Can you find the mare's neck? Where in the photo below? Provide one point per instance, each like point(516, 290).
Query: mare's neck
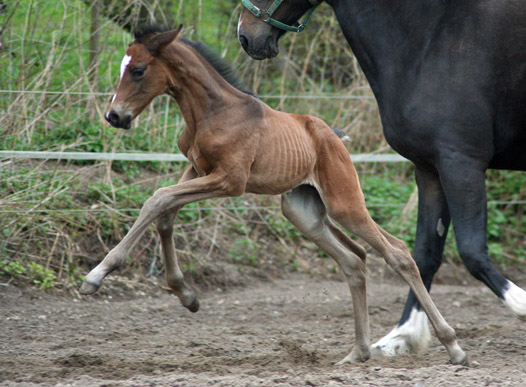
point(388, 37)
point(199, 90)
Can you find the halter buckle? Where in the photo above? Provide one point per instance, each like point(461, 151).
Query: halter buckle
point(265, 16)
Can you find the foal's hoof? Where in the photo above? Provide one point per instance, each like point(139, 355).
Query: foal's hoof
point(187, 297)
point(460, 359)
point(356, 356)
point(194, 306)
point(88, 287)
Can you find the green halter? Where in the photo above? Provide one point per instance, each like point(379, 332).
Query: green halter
point(266, 16)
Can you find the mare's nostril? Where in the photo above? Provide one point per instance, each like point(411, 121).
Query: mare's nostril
point(243, 41)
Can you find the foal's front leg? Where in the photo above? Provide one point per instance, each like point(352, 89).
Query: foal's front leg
point(165, 200)
point(174, 275)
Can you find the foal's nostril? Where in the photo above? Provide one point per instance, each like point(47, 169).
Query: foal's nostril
point(243, 40)
point(112, 118)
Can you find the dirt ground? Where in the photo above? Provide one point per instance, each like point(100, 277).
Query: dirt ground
point(285, 332)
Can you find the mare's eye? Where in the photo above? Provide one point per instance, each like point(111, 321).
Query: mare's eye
point(138, 73)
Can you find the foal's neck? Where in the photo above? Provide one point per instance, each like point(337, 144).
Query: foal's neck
point(200, 91)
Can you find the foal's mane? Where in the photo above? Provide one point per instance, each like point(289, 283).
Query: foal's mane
point(142, 34)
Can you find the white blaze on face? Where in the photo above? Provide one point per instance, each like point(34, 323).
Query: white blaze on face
point(124, 63)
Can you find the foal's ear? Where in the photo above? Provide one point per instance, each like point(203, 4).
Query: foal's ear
point(156, 45)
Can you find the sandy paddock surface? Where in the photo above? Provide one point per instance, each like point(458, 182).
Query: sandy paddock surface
point(285, 332)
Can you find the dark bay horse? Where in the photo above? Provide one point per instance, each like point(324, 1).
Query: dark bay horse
point(449, 77)
point(236, 144)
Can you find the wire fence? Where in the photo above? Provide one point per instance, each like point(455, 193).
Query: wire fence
point(357, 158)
point(166, 157)
point(388, 158)
point(263, 96)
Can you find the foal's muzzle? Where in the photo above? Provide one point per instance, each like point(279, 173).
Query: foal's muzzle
point(118, 121)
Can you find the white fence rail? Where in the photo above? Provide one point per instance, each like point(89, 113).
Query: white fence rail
point(364, 157)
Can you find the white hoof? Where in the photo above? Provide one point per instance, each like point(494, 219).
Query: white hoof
point(413, 336)
point(515, 300)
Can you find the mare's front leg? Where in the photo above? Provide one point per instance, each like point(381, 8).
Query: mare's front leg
point(165, 200)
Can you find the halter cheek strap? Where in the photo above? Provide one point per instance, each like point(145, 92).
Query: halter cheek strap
point(266, 15)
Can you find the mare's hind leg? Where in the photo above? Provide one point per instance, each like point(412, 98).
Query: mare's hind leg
point(174, 275)
point(304, 208)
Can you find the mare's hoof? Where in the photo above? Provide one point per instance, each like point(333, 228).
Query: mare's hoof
point(88, 287)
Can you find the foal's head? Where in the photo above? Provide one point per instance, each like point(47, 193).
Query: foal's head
point(143, 77)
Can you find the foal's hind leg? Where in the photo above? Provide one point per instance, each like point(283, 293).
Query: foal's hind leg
point(397, 256)
point(304, 208)
point(413, 332)
point(345, 203)
point(174, 275)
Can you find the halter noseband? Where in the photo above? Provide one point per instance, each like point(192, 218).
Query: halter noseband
point(266, 15)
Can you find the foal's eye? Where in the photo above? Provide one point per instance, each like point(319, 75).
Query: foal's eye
point(138, 73)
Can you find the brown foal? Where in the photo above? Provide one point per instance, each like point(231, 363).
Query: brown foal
point(235, 144)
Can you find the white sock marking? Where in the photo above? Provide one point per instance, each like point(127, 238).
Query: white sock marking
point(412, 336)
point(515, 299)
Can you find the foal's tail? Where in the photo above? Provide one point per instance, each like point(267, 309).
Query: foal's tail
point(341, 134)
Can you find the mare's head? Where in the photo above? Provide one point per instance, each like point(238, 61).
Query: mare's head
point(143, 76)
point(263, 22)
